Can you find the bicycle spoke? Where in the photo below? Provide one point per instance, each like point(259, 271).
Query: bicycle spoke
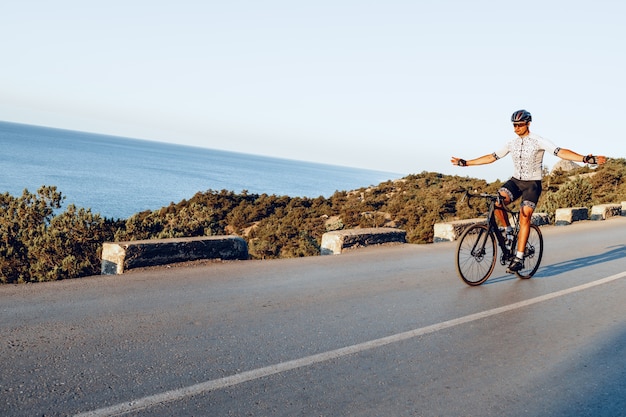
point(476, 255)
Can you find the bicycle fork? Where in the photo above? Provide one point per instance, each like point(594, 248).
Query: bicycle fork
point(478, 250)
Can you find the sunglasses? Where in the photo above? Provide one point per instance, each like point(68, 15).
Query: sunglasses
point(519, 124)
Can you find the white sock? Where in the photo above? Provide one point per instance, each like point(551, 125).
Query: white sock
point(520, 254)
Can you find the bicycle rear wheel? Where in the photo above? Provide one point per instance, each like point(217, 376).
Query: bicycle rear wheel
point(532, 253)
point(476, 254)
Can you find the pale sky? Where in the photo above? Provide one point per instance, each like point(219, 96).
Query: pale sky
point(391, 85)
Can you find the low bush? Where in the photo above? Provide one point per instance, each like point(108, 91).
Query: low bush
point(39, 242)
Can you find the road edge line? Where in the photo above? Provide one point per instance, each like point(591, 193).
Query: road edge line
point(220, 383)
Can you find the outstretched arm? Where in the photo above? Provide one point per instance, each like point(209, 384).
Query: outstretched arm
point(576, 157)
point(485, 159)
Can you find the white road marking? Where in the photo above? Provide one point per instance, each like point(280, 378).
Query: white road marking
point(240, 378)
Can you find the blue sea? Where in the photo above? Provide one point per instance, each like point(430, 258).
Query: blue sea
point(118, 177)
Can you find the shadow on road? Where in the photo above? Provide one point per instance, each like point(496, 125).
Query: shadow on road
point(555, 269)
point(615, 252)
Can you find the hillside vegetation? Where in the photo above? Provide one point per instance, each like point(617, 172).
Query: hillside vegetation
point(39, 242)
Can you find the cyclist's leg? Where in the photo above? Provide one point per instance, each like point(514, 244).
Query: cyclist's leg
point(530, 195)
point(525, 216)
point(503, 219)
point(530, 191)
point(509, 192)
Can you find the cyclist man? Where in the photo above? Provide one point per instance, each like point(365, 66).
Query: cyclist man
point(527, 151)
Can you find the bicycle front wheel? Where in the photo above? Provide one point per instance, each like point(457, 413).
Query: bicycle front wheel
point(476, 254)
point(532, 253)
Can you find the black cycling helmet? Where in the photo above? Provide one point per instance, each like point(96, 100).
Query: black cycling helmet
point(521, 116)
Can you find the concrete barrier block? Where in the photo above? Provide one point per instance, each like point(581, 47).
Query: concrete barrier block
point(337, 241)
point(540, 219)
point(604, 211)
point(566, 216)
point(120, 256)
point(450, 231)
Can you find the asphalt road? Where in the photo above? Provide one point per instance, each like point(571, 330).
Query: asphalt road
point(386, 331)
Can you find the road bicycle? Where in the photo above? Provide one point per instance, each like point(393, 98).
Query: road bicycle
point(477, 254)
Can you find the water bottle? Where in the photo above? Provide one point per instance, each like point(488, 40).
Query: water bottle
point(509, 240)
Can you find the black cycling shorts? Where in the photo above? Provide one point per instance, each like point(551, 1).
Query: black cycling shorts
point(528, 190)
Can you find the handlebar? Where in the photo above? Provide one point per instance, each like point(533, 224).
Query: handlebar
point(469, 195)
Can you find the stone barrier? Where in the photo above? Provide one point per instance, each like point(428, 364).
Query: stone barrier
point(604, 211)
point(566, 216)
point(452, 230)
point(120, 256)
point(540, 219)
point(335, 242)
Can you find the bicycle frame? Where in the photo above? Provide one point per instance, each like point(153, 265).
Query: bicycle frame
point(500, 238)
point(496, 203)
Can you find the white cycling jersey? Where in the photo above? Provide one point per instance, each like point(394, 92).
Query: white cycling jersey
point(527, 153)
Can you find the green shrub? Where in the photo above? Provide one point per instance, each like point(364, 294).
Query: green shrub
point(38, 242)
point(575, 193)
point(40, 246)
